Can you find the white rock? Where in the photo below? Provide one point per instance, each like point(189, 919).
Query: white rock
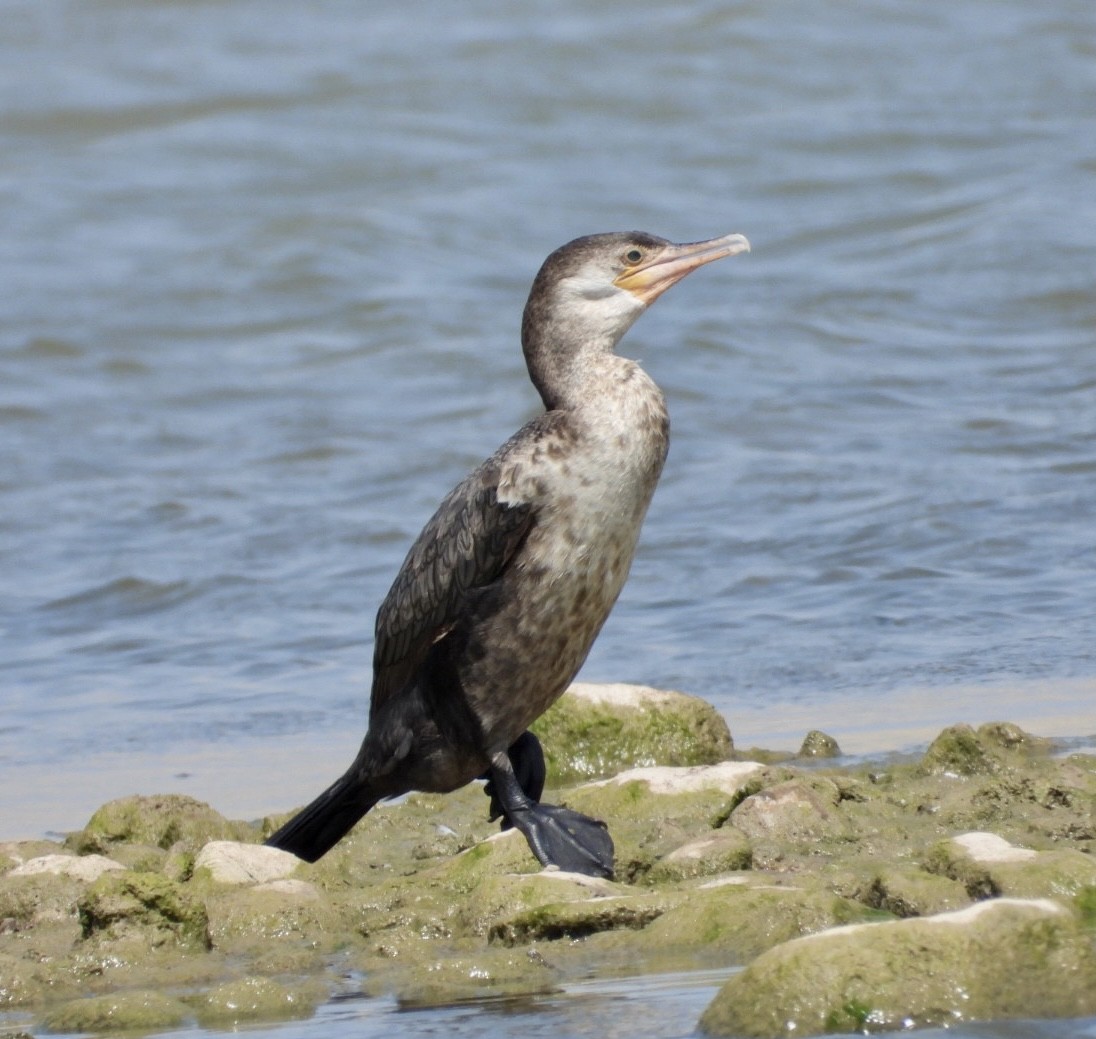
point(620, 694)
point(988, 847)
point(230, 862)
point(727, 776)
point(80, 867)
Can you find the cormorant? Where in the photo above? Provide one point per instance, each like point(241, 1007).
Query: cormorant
point(503, 593)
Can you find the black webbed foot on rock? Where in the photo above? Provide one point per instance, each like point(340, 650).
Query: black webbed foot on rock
point(557, 836)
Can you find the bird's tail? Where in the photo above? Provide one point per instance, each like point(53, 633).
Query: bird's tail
point(317, 828)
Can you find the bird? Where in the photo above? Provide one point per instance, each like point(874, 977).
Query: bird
point(504, 591)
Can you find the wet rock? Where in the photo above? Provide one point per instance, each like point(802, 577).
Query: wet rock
point(122, 1012)
point(494, 972)
point(987, 866)
point(722, 851)
point(908, 891)
point(596, 730)
point(741, 917)
point(998, 959)
point(252, 999)
point(958, 751)
point(80, 867)
point(793, 812)
point(230, 862)
point(161, 821)
point(652, 811)
point(996, 746)
point(244, 921)
point(817, 744)
point(147, 907)
point(573, 920)
point(506, 896)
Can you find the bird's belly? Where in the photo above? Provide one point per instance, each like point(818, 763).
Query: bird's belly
point(557, 598)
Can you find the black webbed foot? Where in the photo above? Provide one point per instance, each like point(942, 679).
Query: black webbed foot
point(557, 836)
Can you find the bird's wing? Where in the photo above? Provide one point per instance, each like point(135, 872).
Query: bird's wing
point(466, 545)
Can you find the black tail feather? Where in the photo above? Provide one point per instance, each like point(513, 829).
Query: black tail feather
point(317, 828)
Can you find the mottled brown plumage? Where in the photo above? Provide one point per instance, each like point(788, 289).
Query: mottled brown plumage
point(503, 593)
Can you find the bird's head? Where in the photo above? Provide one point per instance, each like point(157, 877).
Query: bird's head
point(588, 293)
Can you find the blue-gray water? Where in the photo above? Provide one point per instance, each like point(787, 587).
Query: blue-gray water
point(261, 272)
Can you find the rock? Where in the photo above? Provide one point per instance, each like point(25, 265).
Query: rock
point(987, 866)
point(80, 867)
point(596, 730)
point(147, 907)
point(118, 1013)
point(817, 744)
point(961, 751)
point(729, 777)
point(741, 920)
point(998, 959)
point(246, 920)
point(958, 751)
point(908, 891)
point(723, 850)
point(792, 812)
point(252, 999)
point(574, 920)
point(161, 821)
point(229, 862)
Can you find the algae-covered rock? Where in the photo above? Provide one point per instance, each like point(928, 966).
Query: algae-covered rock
point(596, 730)
point(998, 959)
point(909, 891)
point(652, 811)
point(987, 866)
point(817, 744)
point(740, 917)
point(162, 821)
point(721, 851)
point(961, 751)
point(249, 920)
point(803, 809)
point(505, 896)
point(136, 1012)
point(571, 920)
point(494, 972)
point(252, 999)
point(146, 906)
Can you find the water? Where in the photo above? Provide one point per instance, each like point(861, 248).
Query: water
point(260, 282)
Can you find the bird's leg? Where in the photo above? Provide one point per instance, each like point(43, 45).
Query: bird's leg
point(557, 836)
point(527, 757)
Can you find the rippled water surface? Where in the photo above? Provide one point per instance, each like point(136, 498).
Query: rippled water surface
point(261, 275)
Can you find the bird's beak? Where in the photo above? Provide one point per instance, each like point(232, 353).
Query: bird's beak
point(669, 266)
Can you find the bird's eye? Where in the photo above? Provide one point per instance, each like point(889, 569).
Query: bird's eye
point(633, 255)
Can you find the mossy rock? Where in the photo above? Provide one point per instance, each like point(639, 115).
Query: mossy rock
point(721, 851)
point(909, 891)
point(147, 906)
point(136, 1012)
point(1000, 959)
point(252, 999)
point(245, 920)
point(598, 730)
point(744, 916)
point(162, 821)
point(574, 920)
point(492, 972)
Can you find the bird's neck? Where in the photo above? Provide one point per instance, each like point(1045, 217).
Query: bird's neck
point(571, 366)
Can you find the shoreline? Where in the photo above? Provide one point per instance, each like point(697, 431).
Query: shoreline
point(255, 778)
